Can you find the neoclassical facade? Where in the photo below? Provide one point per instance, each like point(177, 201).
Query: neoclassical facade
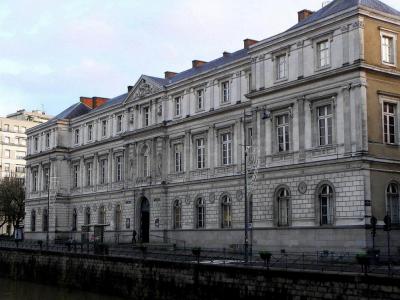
point(316, 108)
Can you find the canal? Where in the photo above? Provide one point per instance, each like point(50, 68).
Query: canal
point(21, 290)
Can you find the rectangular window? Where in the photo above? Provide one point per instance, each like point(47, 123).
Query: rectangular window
point(389, 123)
point(119, 123)
point(249, 83)
point(36, 143)
point(89, 168)
point(178, 149)
point(76, 136)
point(388, 49)
point(22, 141)
point(323, 54)
point(23, 129)
point(7, 154)
point(6, 127)
point(201, 149)
point(225, 92)
point(46, 178)
point(281, 67)
point(118, 167)
point(47, 140)
point(282, 132)
point(325, 117)
point(226, 149)
point(34, 180)
point(104, 128)
point(20, 169)
point(75, 176)
point(249, 136)
point(103, 171)
point(177, 104)
point(146, 116)
point(200, 99)
point(7, 167)
point(146, 171)
point(16, 128)
point(90, 132)
point(21, 155)
point(7, 140)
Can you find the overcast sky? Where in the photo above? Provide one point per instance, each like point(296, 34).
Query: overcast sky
point(54, 51)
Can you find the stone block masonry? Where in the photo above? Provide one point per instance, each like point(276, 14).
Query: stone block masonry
point(165, 280)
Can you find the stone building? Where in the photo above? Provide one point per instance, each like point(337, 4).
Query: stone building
point(318, 107)
point(13, 145)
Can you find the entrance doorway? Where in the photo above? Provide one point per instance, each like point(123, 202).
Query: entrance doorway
point(144, 220)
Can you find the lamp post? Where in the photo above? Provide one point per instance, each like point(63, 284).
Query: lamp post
point(246, 206)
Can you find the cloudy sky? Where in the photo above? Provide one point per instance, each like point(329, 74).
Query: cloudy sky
point(54, 51)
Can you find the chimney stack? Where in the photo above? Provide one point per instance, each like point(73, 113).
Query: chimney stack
point(130, 87)
point(169, 74)
point(93, 102)
point(304, 14)
point(226, 54)
point(248, 42)
point(197, 63)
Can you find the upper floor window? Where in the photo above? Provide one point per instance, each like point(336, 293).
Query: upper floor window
point(389, 122)
point(34, 180)
point(6, 127)
point(7, 153)
point(104, 128)
point(282, 132)
point(46, 178)
point(20, 169)
point(36, 143)
point(90, 132)
point(119, 123)
point(325, 117)
point(249, 83)
point(20, 155)
point(323, 54)
point(76, 136)
point(177, 213)
point(200, 99)
point(89, 173)
point(226, 212)
point(145, 164)
point(16, 128)
point(392, 202)
point(225, 91)
point(200, 153)
point(178, 155)
point(388, 45)
point(103, 171)
point(146, 116)
point(47, 138)
point(226, 148)
point(75, 176)
point(325, 197)
point(178, 106)
point(118, 163)
point(23, 129)
point(281, 67)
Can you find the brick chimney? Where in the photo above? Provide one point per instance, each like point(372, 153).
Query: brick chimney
point(93, 102)
point(197, 63)
point(248, 42)
point(130, 87)
point(304, 14)
point(226, 54)
point(169, 74)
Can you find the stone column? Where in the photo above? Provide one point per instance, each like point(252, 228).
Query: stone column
point(301, 118)
point(187, 151)
point(345, 43)
point(347, 119)
point(300, 59)
point(211, 147)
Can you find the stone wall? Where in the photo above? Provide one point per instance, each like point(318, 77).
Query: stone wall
point(152, 279)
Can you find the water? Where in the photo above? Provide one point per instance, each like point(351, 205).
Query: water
point(21, 290)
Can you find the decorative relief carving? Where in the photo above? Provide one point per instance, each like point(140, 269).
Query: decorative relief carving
point(109, 206)
point(302, 187)
point(211, 198)
point(145, 89)
point(187, 199)
point(239, 195)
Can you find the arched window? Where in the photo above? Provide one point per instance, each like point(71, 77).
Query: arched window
point(177, 212)
point(87, 216)
point(102, 215)
point(74, 219)
point(392, 202)
point(118, 217)
point(283, 198)
point(226, 212)
point(45, 223)
point(200, 213)
point(33, 220)
point(145, 161)
point(326, 211)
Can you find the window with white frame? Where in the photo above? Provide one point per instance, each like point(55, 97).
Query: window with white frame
point(75, 178)
point(177, 214)
point(323, 54)
point(76, 136)
point(20, 155)
point(47, 143)
point(7, 153)
point(226, 148)
point(119, 123)
point(389, 122)
point(118, 167)
point(90, 132)
point(200, 213)
point(104, 128)
point(325, 121)
point(178, 157)
point(177, 106)
point(282, 132)
point(146, 116)
point(388, 47)
point(23, 129)
point(280, 66)
point(89, 173)
point(200, 99)
point(392, 202)
point(20, 169)
point(7, 140)
point(200, 153)
point(225, 86)
point(103, 171)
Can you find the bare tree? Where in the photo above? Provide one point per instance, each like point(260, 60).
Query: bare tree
point(12, 197)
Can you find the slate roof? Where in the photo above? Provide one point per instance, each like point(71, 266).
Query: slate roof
point(73, 111)
point(341, 5)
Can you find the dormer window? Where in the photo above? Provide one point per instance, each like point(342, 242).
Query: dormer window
point(225, 92)
point(178, 106)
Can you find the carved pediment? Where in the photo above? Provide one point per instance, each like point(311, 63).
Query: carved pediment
point(144, 87)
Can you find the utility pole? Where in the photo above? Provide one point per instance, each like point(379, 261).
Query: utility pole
point(246, 207)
